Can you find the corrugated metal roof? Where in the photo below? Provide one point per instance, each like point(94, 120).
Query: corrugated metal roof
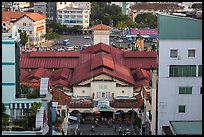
point(88, 63)
point(53, 54)
point(140, 54)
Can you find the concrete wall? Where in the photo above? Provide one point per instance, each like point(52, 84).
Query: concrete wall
point(36, 36)
point(99, 87)
point(8, 72)
point(168, 87)
point(101, 36)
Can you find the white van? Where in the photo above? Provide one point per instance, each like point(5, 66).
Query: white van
point(66, 42)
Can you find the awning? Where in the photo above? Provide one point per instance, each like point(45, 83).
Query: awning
point(153, 36)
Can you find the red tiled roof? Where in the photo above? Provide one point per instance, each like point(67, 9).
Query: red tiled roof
point(53, 54)
point(60, 97)
point(36, 16)
point(37, 62)
point(102, 60)
point(90, 62)
point(141, 74)
point(101, 27)
point(98, 48)
point(140, 54)
point(9, 15)
point(144, 63)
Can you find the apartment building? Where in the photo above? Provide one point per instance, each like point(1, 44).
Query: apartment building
point(50, 9)
point(17, 106)
point(71, 16)
point(180, 73)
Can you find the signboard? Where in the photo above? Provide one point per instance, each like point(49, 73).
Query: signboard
point(40, 28)
point(103, 102)
point(144, 31)
point(104, 108)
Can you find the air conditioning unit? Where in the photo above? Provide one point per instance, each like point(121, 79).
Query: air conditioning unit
point(179, 57)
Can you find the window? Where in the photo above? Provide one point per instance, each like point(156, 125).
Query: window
point(185, 90)
point(30, 24)
point(173, 53)
point(24, 24)
point(182, 71)
point(60, 2)
point(200, 70)
point(4, 24)
point(30, 32)
point(123, 91)
point(182, 109)
point(83, 91)
point(103, 94)
point(201, 90)
point(102, 86)
point(191, 53)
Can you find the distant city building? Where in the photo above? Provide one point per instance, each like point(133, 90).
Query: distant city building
point(125, 6)
point(40, 7)
point(50, 9)
point(70, 17)
point(33, 23)
point(180, 74)
point(144, 7)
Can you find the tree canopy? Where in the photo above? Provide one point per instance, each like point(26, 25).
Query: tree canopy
point(23, 37)
point(110, 15)
point(146, 20)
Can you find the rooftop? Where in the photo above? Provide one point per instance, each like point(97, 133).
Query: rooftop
point(176, 27)
point(155, 6)
point(10, 15)
point(186, 127)
point(92, 61)
point(101, 27)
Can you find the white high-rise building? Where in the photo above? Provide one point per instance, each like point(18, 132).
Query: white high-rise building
point(180, 73)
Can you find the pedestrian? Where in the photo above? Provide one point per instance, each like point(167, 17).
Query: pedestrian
point(120, 129)
point(115, 128)
point(92, 128)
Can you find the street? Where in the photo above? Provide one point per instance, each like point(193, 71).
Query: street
point(103, 129)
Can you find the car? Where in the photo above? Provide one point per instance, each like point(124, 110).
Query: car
point(60, 49)
point(87, 37)
point(70, 48)
point(127, 132)
point(66, 42)
point(119, 41)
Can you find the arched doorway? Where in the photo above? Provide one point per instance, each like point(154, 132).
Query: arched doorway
point(119, 115)
point(75, 112)
point(130, 116)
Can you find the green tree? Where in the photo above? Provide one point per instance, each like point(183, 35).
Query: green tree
point(108, 14)
point(33, 111)
point(5, 117)
point(153, 47)
point(146, 20)
point(121, 25)
point(51, 36)
point(23, 37)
